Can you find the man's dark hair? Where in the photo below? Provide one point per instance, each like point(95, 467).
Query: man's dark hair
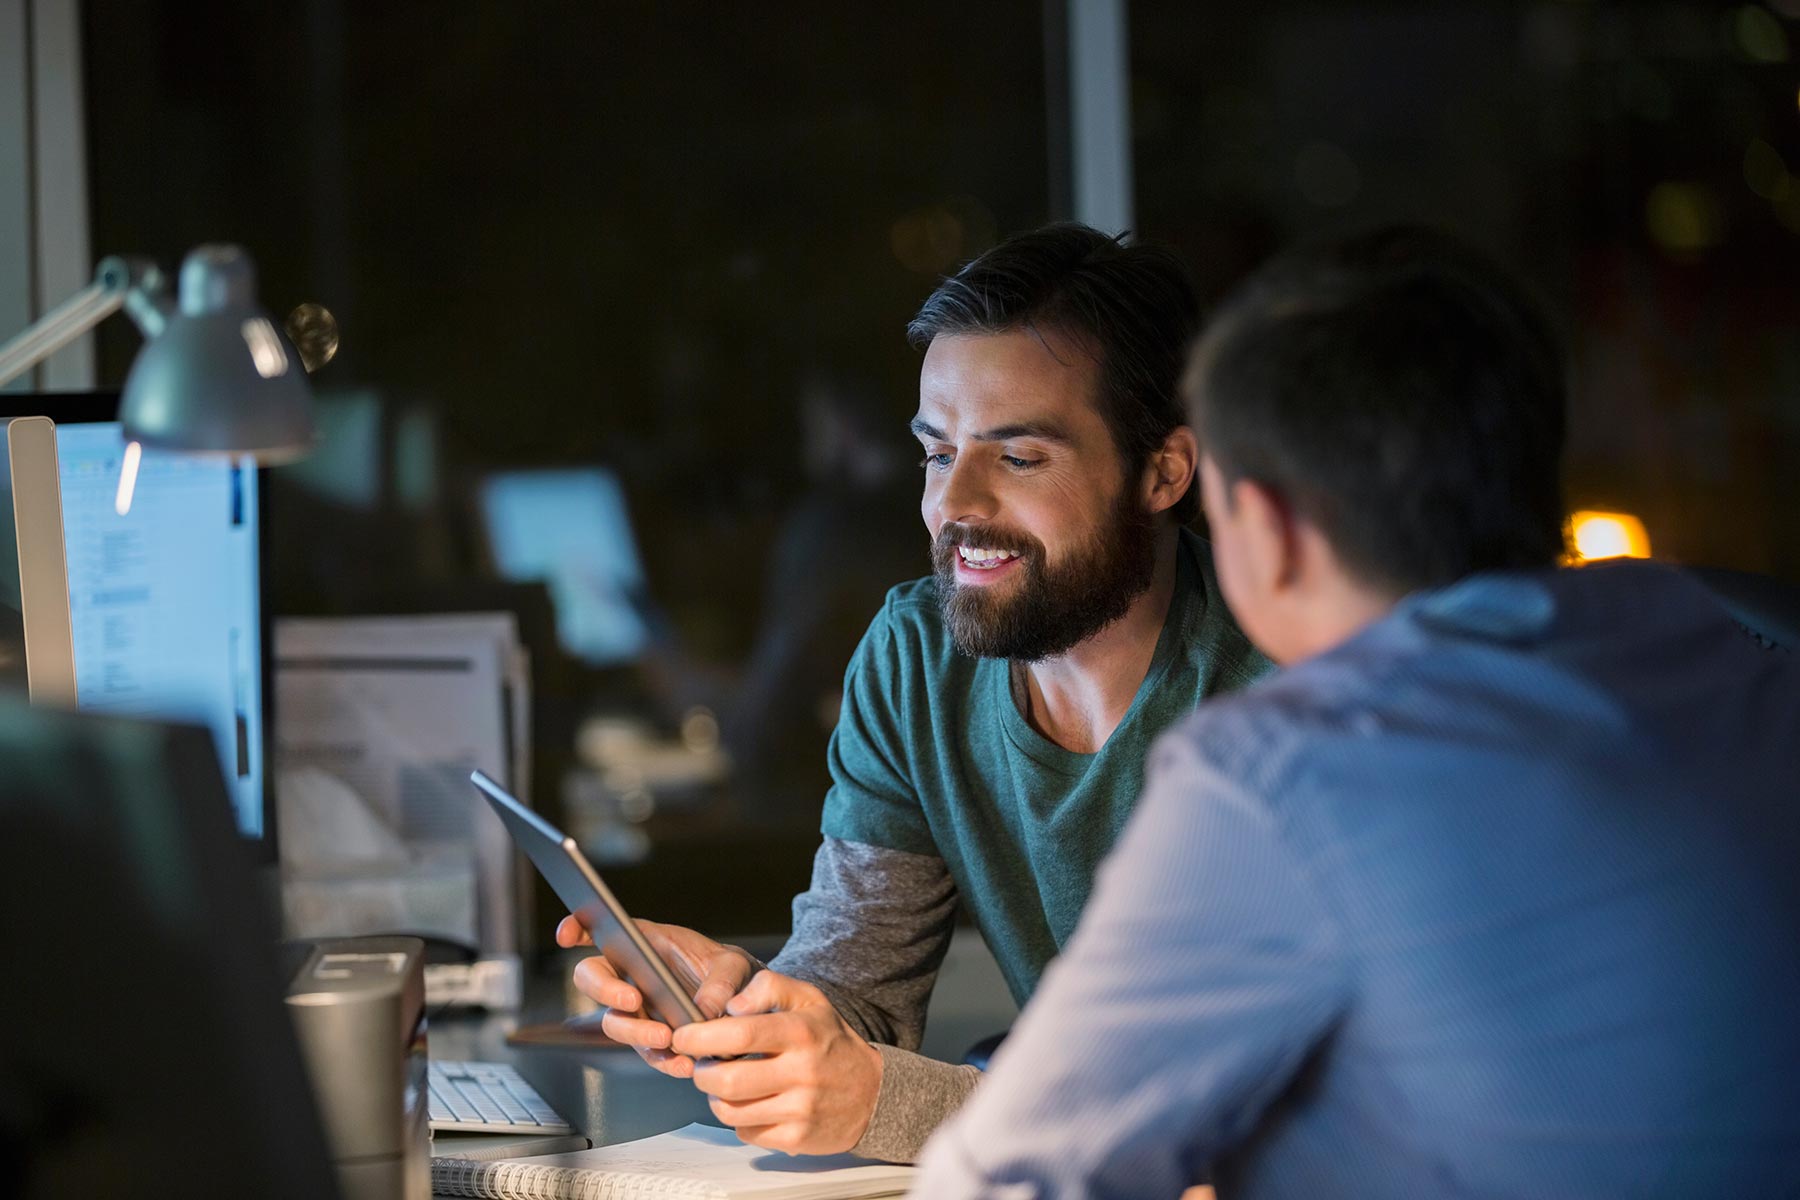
point(1402, 393)
point(1132, 307)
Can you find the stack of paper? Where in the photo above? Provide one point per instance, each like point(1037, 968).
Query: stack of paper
point(379, 721)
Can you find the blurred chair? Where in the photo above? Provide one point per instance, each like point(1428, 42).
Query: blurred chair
point(144, 1047)
point(982, 1053)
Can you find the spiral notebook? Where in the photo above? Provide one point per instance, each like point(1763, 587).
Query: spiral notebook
point(699, 1162)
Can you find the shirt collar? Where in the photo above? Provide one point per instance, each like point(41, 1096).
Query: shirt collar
point(1509, 606)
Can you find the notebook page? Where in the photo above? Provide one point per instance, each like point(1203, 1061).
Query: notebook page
point(699, 1161)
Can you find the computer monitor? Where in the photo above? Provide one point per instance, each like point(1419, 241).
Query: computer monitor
point(164, 597)
point(569, 529)
point(37, 656)
point(144, 1047)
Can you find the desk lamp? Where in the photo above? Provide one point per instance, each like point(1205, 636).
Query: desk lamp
point(214, 377)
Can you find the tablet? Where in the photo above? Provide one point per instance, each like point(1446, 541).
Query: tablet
point(580, 887)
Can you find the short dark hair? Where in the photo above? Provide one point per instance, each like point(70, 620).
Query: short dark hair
point(1401, 392)
point(1133, 307)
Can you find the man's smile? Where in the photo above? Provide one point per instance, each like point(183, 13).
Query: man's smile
point(977, 565)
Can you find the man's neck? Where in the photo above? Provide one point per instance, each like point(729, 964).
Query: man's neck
point(1335, 608)
point(1077, 699)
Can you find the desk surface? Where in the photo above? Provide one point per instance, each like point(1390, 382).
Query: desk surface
point(611, 1095)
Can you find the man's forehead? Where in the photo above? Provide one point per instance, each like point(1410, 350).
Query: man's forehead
point(1026, 348)
point(1006, 379)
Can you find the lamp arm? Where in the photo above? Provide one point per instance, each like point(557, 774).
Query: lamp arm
point(136, 285)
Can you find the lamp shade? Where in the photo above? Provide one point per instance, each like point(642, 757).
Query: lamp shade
point(220, 378)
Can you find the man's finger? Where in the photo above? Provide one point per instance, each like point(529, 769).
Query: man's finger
point(600, 983)
point(756, 1135)
point(730, 1037)
point(721, 984)
point(744, 1079)
point(769, 991)
point(784, 1136)
point(767, 1110)
point(628, 1030)
point(570, 933)
point(676, 1066)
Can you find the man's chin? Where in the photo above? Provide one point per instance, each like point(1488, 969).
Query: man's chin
point(984, 626)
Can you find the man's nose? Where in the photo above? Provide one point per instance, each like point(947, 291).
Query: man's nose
point(965, 495)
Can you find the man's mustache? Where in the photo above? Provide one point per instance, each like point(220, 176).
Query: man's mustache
point(984, 537)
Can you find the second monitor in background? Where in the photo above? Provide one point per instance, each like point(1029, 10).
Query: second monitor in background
point(570, 529)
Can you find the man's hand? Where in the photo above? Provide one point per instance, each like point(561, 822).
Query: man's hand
point(721, 971)
point(812, 1089)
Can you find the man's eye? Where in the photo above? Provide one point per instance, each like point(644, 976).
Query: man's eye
point(1017, 463)
point(938, 461)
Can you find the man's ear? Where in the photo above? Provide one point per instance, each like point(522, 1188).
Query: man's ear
point(1269, 533)
point(1170, 473)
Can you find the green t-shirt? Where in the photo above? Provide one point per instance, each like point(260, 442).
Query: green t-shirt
point(932, 756)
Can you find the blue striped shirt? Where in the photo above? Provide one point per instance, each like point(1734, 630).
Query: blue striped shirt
point(1498, 898)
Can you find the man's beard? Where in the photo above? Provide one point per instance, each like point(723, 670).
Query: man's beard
point(1052, 609)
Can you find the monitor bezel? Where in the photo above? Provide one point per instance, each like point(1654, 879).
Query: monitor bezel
point(102, 407)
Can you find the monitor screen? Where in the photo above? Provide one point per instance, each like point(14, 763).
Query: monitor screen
point(570, 530)
point(164, 597)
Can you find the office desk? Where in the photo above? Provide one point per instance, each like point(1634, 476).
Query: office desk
point(611, 1095)
point(614, 1096)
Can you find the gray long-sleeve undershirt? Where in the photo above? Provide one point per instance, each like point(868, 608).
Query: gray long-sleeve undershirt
point(871, 933)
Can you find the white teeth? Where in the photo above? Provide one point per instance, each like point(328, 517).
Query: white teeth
point(974, 554)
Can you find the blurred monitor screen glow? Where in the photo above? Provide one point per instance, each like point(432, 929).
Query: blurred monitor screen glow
point(570, 530)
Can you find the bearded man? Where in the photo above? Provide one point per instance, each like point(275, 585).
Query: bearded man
point(996, 715)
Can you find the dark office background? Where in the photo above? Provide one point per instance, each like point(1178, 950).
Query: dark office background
point(642, 234)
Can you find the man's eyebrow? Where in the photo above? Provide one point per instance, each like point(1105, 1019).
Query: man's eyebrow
point(1043, 430)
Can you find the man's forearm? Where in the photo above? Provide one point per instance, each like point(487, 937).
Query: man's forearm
point(917, 1095)
point(871, 933)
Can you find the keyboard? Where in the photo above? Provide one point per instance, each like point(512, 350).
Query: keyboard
point(479, 1097)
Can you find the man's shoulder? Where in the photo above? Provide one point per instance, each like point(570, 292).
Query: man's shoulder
point(1266, 741)
point(912, 621)
point(1247, 740)
point(913, 598)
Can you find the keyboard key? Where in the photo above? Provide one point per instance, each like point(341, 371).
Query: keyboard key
point(479, 1101)
point(448, 1097)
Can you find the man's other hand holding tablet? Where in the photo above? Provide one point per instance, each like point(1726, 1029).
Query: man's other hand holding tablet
point(779, 1063)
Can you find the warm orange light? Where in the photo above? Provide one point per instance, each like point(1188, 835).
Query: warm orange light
point(1600, 535)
